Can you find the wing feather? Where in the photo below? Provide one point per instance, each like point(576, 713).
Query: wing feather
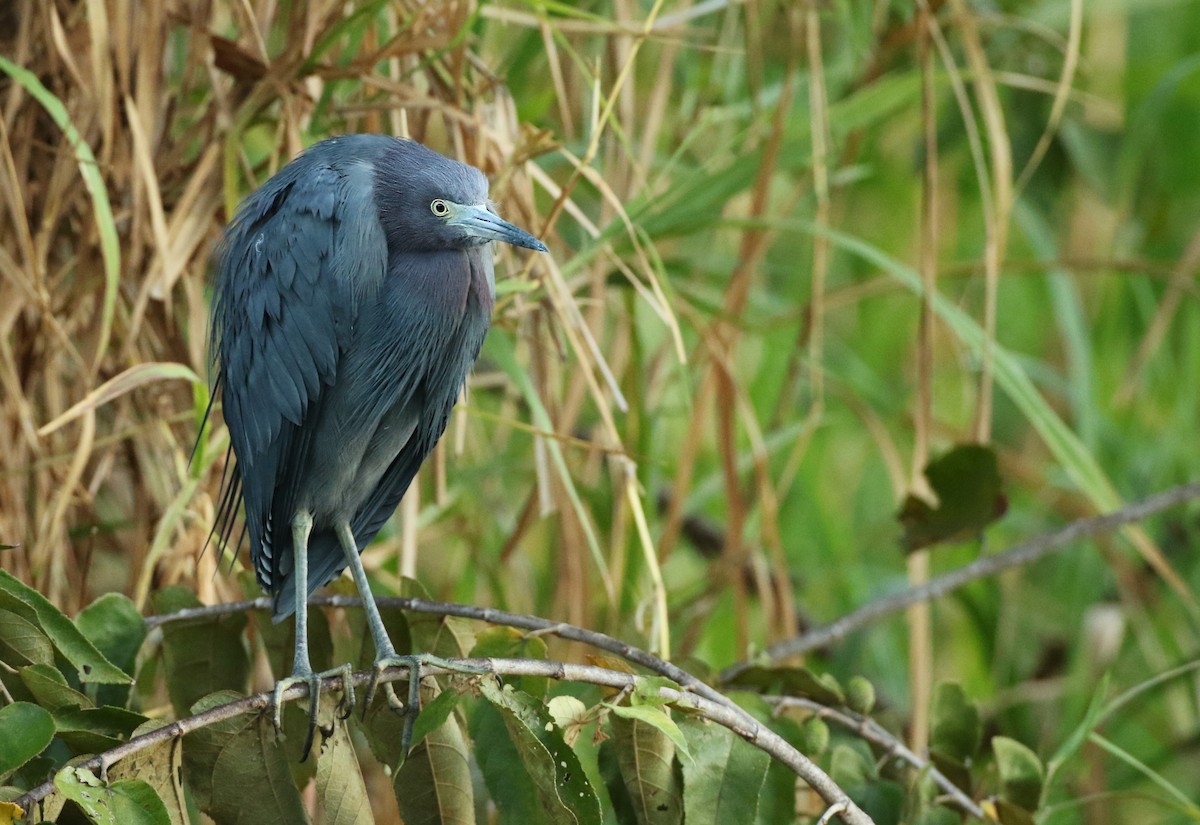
point(286, 297)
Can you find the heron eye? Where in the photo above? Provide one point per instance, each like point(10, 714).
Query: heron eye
point(440, 208)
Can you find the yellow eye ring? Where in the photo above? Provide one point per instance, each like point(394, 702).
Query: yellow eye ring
point(439, 207)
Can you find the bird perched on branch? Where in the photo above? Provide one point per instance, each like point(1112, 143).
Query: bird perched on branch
point(354, 291)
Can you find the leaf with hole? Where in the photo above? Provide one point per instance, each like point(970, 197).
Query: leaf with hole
point(563, 791)
point(125, 802)
point(646, 759)
point(723, 780)
point(32, 606)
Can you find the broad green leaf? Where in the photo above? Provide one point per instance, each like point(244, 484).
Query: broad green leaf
point(112, 623)
point(646, 759)
point(433, 786)
point(966, 481)
point(957, 731)
point(90, 730)
point(1021, 772)
point(21, 643)
point(161, 767)
point(655, 717)
point(341, 791)
point(384, 727)
point(723, 780)
point(125, 802)
point(51, 690)
point(434, 714)
point(792, 681)
point(26, 731)
point(237, 772)
point(562, 788)
point(200, 656)
point(73, 645)
point(508, 783)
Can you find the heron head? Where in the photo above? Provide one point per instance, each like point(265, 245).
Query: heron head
point(428, 202)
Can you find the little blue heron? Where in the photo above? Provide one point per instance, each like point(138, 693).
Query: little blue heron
point(355, 288)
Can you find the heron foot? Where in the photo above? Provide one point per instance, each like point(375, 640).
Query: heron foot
point(344, 708)
point(412, 707)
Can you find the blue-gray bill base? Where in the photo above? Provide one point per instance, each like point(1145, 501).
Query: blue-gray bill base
point(354, 290)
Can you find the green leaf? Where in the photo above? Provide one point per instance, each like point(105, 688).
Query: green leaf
point(160, 766)
point(723, 780)
point(113, 624)
point(21, 643)
point(1021, 772)
point(341, 791)
point(51, 690)
point(126, 802)
point(792, 681)
point(237, 772)
point(433, 786)
point(26, 731)
point(957, 731)
point(656, 717)
point(90, 730)
point(200, 656)
point(563, 790)
point(646, 758)
point(966, 481)
point(31, 605)
point(434, 714)
point(508, 783)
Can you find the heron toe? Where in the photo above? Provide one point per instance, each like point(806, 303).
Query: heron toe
point(313, 680)
point(411, 708)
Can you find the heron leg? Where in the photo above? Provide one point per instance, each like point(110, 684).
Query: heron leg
point(302, 672)
point(385, 651)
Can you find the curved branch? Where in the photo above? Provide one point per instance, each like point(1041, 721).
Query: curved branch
point(872, 731)
point(740, 722)
point(521, 621)
point(1023, 553)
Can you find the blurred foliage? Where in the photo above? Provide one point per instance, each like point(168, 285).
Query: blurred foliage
point(693, 424)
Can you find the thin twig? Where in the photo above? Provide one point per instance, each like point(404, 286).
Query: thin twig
point(982, 568)
point(872, 731)
point(737, 721)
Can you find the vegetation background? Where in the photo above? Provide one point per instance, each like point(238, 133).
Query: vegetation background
point(695, 422)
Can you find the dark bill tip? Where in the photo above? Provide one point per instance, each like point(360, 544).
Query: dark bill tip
point(480, 223)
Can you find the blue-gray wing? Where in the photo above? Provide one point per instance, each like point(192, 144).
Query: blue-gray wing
point(301, 253)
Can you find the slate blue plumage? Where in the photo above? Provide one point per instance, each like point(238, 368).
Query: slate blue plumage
point(355, 288)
